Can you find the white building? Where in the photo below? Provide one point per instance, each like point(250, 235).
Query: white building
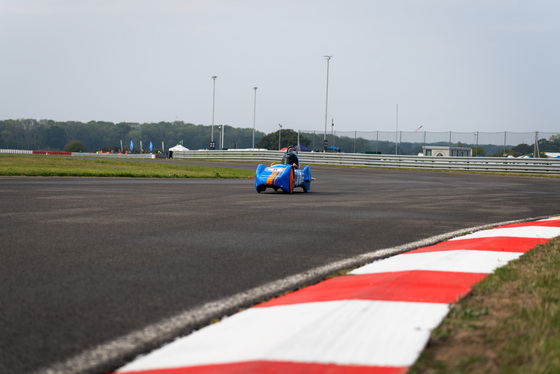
point(443, 151)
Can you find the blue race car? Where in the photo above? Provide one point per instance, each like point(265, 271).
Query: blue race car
point(285, 176)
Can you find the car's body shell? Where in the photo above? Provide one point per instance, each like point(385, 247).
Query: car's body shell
point(285, 176)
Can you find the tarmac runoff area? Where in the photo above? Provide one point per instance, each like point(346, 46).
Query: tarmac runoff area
point(375, 319)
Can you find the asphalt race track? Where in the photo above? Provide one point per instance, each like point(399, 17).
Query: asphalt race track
point(86, 261)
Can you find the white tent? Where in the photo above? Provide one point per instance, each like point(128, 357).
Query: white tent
point(179, 148)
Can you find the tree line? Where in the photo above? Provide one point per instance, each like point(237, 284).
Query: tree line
point(49, 135)
point(99, 135)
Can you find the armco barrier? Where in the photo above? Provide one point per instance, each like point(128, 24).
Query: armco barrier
point(492, 164)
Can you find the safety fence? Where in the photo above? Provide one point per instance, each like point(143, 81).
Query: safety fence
point(411, 142)
point(493, 164)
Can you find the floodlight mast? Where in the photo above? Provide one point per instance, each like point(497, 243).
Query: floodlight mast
point(254, 115)
point(397, 131)
point(213, 107)
point(328, 58)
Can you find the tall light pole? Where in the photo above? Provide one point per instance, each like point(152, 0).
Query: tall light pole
point(328, 58)
point(477, 142)
point(279, 135)
point(397, 132)
point(333, 133)
point(213, 107)
point(254, 115)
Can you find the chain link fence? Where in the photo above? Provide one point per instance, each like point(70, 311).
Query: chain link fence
point(411, 142)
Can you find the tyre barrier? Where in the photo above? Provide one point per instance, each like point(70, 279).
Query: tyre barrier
point(58, 153)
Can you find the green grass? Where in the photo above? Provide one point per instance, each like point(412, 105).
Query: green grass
point(49, 166)
point(509, 323)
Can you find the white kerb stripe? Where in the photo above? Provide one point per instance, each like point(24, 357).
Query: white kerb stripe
point(348, 332)
point(462, 261)
point(540, 232)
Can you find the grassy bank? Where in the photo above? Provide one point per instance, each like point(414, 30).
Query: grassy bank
point(509, 323)
point(49, 166)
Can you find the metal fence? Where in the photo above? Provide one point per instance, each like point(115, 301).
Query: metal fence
point(492, 164)
point(411, 142)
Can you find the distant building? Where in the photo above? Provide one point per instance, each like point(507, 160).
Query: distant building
point(446, 151)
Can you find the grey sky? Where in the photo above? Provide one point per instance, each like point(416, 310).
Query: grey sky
point(476, 65)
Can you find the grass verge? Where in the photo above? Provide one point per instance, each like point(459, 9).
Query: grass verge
point(509, 323)
point(50, 166)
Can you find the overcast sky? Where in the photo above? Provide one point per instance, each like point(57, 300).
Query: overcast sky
point(450, 65)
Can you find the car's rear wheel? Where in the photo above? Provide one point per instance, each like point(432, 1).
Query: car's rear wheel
point(291, 180)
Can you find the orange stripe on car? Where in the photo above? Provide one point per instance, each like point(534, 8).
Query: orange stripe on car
point(272, 177)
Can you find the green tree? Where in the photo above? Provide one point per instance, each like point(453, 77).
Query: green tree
point(75, 146)
point(348, 144)
point(550, 145)
point(54, 137)
point(523, 149)
point(504, 153)
point(477, 151)
point(286, 137)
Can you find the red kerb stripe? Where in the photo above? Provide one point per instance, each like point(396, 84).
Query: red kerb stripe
point(276, 367)
point(501, 244)
point(410, 286)
point(547, 223)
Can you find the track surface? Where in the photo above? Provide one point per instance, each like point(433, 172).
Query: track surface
point(88, 260)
